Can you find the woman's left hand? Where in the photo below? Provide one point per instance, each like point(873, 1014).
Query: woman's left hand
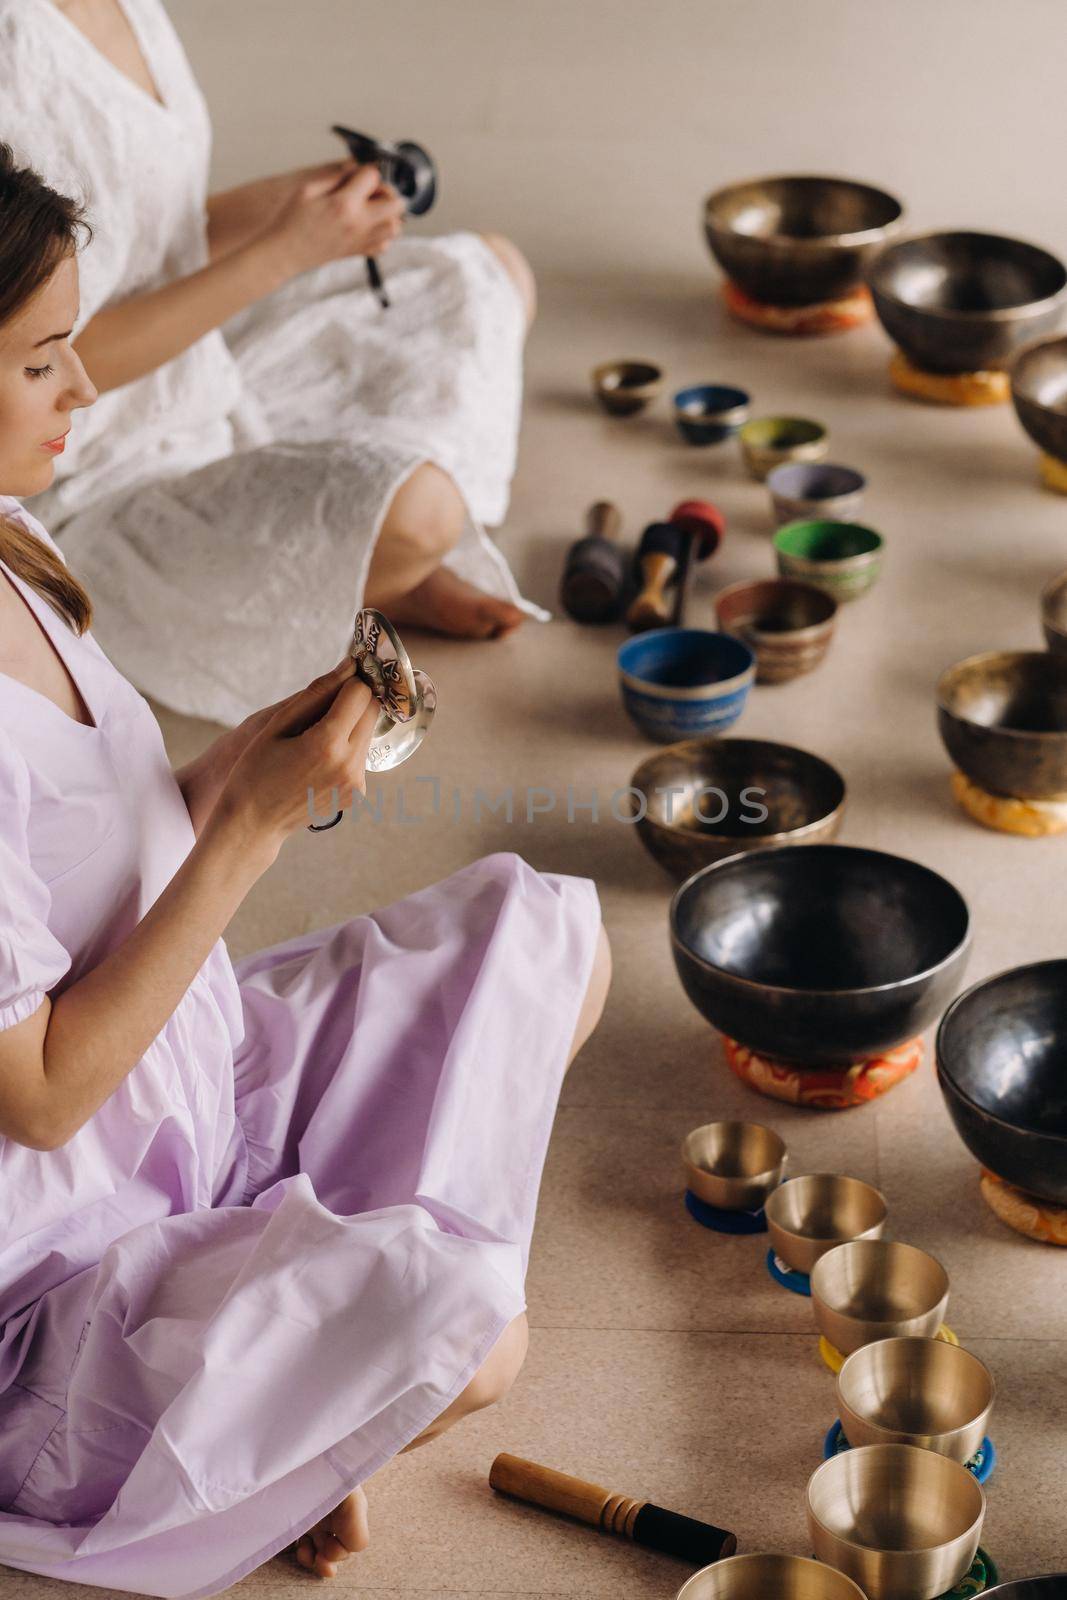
point(234, 216)
point(201, 780)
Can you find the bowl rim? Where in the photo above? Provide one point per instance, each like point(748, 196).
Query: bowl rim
point(1028, 349)
point(816, 466)
point(882, 1244)
point(785, 1557)
point(745, 857)
point(916, 1339)
point(821, 1238)
point(980, 318)
point(794, 635)
point(852, 1544)
point(858, 236)
point(838, 563)
point(670, 830)
point(820, 437)
point(940, 1054)
point(718, 688)
point(604, 370)
point(748, 1177)
point(722, 413)
point(993, 727)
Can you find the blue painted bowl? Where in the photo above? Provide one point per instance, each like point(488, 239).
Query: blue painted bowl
point(708, 413)
point(680, 682)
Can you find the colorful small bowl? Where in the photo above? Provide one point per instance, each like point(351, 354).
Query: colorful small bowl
point(841, 558)
point(708, 413)
point(678, 683)
point(626, 387)
point(802, 490)
point(769, 442)
point(787, 623)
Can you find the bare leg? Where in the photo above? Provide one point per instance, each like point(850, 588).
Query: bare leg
point(518, 269)
point(345, 1531)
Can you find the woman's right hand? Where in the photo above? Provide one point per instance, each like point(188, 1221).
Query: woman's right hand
point(339, 211)
point(316, 740)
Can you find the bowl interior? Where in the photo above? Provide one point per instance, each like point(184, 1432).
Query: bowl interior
point(685, 658)
point(875, 1280)
point(895, 1497)
point(774, 606)
point(814, 480)
point(709, 399)
point(628, 374)
point(1003, 1045)
point(912, 1385)
point(782, 433)
point(801, 208)
point(1020, 691)
point(826, 1205)
point(821, 917)
point(827, 541)
point(735, 1150)
point(723, 787)
point(1039, 374)
point(968, 273)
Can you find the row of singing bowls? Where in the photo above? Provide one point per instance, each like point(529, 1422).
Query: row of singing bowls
point(903, 1523)
point(874, 1288)
point(1003, 719)
point(821, 953)
point(797, 240)
point(1054, 615)
point(704, 799)
point(915, 1390)
point(1002, 1067)
point(733, 1165)
point(1039, 394)
point(964, 302)
point(813, 1214)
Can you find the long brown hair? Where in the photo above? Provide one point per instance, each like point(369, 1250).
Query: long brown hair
point(38, 227)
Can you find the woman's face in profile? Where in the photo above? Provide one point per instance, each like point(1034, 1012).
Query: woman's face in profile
point(42, 381)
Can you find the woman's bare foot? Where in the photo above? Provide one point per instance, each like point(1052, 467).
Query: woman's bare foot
point(446, 603)
point(344, 1532)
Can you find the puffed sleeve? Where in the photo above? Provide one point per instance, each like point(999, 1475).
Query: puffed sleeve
point(32, 960)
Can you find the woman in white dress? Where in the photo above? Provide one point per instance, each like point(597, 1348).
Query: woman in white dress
point(271, 449)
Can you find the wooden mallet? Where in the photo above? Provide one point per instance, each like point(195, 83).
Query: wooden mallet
point(596, 576)
point(646, 1524)
point(665, 559)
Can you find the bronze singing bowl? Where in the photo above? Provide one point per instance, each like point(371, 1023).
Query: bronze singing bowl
point(1039, 394)
point(902, 1523)
point(965, 302)
point(810, 1215)
point(733, 1165)
point(704, 798)
point(918, 1391)
point(770, 1577)
point(795, 241)
point(1054, 615)
point(1003, 720)
point(787, 624)
point(876, 1289)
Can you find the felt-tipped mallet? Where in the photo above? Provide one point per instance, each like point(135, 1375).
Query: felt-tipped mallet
point(665, 559)
point(646, 1524)
point(596, 576)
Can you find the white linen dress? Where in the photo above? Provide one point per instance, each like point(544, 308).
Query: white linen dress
point(224, 509)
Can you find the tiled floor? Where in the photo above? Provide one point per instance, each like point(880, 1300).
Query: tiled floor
point(664, 1362)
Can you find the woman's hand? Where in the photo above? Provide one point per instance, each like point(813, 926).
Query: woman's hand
point(317, 741)
point(334, 212)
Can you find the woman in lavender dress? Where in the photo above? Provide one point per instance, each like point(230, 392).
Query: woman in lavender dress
point(219, 1186)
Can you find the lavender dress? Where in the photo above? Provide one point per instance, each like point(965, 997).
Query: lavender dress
point(298, 1191)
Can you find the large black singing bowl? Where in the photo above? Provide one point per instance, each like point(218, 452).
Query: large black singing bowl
point(821, 954)
point(1002, 1066)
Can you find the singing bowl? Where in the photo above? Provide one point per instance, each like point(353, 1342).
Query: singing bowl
point(733, 1165)
point(759, 1577)
point(679, 682)
point(769, 442)
point(822, 953)
point(877, 1289)
point(902, 1523)
point(1048, 1586)
point(796, 241)
point(787, 624)
point(803, 490)
point(1002, 1066)
point(1003, 720)
point(704, 799)
point(918, 1391)
point(1054, 615)
point(707, 413)
point(965, 302)
point(626, 387)
point(810, 1215)
point(1039, 394)
point(841, 558)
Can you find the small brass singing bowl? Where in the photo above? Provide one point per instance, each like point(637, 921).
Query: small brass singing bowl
point(1054, 615)
point(874, 1289)
point(910, 1390)
point(759, 1577)
point(624, 388)
point(903, 1523)
point(813, 1214)
point(733, 1165)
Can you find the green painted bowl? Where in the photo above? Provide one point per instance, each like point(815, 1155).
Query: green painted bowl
point(841, 558)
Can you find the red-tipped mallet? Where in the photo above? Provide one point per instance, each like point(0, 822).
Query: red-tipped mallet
point(665, 559)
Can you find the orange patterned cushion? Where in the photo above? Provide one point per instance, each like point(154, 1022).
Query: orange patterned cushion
point(831, 316)
point(824, 1088)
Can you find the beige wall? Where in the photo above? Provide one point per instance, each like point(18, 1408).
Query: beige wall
point(590, 129)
